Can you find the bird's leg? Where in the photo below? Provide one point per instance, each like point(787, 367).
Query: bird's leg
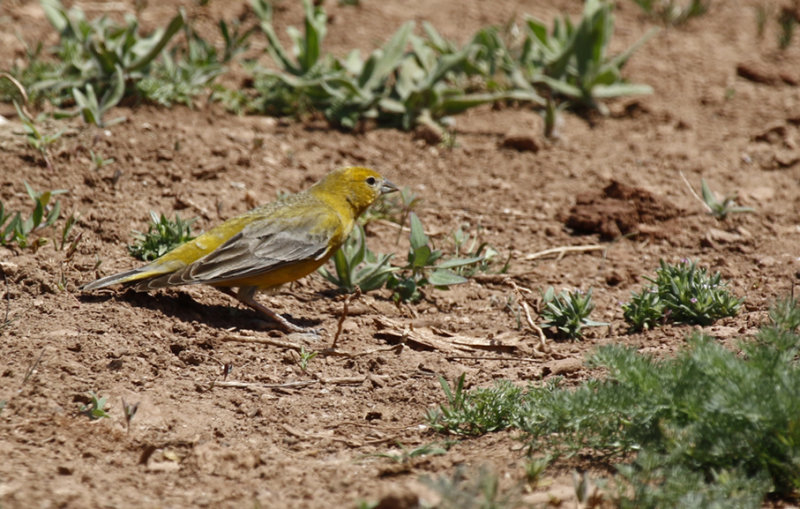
point(246, 295)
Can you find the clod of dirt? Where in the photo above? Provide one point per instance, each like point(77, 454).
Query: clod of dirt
point(521, 141)
point(621, 209)
point(431, 134)
point(758, 72)
point(404, 500)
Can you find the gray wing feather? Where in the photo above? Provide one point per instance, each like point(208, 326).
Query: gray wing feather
point(258, 249)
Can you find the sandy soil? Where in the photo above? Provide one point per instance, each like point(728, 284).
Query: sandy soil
point(726, 108)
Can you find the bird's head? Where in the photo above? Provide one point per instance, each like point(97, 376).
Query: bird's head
point(357, 186)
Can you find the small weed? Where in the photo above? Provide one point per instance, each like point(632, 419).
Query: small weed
point(130, 412)
point(681, 293)
point(568, 311)
point(163, 235)
point(468, 247)
point(476, 412)
point(762, 15)
point(96, 409)
point(393, 207)
point(358, 267)
point(535, 467)
point(645, 310)
point(475, 490)
point(305, 358)
point(572, 60)
point(721, 209)
point(405, 455)
point(787, 20)
point(14, 229)
point(36, 138)
point(98, 161)
point(425, 267)
point(672, 12)
point(188, 71)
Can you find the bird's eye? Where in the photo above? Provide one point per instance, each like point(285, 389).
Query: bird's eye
point(371, 181)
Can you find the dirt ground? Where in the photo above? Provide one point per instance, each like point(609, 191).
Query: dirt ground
point(725, 107)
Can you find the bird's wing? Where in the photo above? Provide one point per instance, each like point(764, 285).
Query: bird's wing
point(263, 246)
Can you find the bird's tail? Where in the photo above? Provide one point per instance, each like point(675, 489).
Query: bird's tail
point(128, 276)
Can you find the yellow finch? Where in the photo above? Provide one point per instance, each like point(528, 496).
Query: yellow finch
point(267, 246)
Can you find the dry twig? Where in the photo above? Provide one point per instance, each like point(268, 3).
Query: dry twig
point(342, 317)
point(561, 251)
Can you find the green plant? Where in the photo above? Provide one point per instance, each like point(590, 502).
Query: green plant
point(405, 455)
point(393, 86)
point(466, 246)
point(358, 267)
point(645, 310)
point(98, 161)
point(696, 430)
point(787, 20)
point(721, 209)
point(681, 293)
point(568, 311)
point(476, 412)
point(129, 411)
point(672, 12)
point(36, 138)
point(97, 61)
point(96, 409)
point(393, 207)
point(424, 266)
point(477, 489)
point(305, 357)
point(14, 229)
point(187, 71)
point(572, 60)
point(162, 236)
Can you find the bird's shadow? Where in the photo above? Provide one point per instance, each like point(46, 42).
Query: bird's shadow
point(182, 306)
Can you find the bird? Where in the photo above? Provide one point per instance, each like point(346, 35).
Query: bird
point(268, 246)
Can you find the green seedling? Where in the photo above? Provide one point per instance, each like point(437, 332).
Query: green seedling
point(96, 409)
point(187, 71)
point(130, 412)
point(672, 12)
point(305, 358)
point(721, 209)
point(568, 311)
point(405, 455)
point(476, 412)
point(36, 138)
point(787, 20)
point(163, 235)
point(357, 267)
point(424, 267)
point(572, 60)
point(469, 247)
point(15, 229)
point(98, 161)
point(681, 293)
point(476, 489)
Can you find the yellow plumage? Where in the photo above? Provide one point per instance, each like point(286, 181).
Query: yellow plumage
point(267, 246)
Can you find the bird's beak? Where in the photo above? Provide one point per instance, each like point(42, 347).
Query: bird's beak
point(388, 187)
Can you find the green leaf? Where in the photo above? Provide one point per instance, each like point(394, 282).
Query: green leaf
point(459, 262)
point(443, 277)
point(417, 237)
point(174, 25)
